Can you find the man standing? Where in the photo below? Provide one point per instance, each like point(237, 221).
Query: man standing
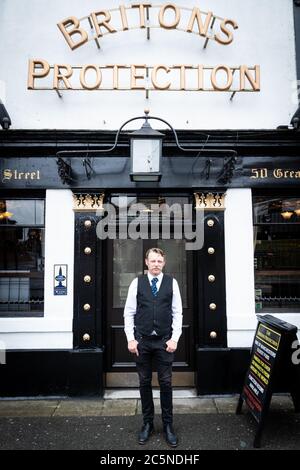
point(153, 325)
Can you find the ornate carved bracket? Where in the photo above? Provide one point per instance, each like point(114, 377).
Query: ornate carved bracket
point(88, 202)
point(210, 201)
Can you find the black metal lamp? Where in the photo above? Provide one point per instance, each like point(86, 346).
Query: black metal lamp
point(146, 153)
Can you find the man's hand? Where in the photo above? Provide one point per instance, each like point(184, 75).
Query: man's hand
point(132, 347)
point(171, 346)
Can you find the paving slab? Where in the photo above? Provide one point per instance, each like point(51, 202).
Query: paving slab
point(194, 405)
point(282, 403)
point(226, 404)
point(79, 408)
point(28, 407)
point(119, 408)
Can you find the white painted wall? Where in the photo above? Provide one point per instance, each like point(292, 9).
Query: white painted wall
point(54, 330)
point(265, 37)
point(239, 268)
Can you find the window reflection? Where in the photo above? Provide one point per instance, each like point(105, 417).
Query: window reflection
point(127, 264)
point(21, 212)
point(277, 254)
point(21, 257)
point(176, 264)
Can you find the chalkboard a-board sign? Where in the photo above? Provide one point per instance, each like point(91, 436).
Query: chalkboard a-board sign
point(271, 369)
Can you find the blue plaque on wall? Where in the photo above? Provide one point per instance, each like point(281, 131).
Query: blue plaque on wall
point(60, 279)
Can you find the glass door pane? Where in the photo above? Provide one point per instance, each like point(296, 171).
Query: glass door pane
point(127, 264)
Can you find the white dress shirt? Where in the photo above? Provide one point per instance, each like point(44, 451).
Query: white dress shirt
point(131, 304)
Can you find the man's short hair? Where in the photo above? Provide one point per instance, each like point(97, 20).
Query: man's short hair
point(155, 250)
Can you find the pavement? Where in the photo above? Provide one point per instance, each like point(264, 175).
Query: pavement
point(112, 423)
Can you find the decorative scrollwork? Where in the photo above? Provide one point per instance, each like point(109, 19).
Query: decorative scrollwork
point(88, 202)
point(226, 174)
point(210, 201)
point(64, 171)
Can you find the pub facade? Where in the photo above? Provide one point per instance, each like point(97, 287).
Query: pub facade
point(130, 126)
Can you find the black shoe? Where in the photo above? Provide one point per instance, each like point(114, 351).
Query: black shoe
point(170, 435)
point(145, 433)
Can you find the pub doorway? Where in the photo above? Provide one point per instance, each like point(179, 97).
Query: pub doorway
point(124, 261)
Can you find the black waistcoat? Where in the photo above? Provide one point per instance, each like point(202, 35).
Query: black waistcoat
point(154, 313)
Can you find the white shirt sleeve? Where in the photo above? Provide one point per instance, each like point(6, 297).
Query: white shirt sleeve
point(176, 312)
point(130, 310)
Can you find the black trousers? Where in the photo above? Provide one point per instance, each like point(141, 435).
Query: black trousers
point(152, 351)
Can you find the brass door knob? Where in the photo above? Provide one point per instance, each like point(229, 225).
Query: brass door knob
point(212, 306)
point(87, 279)
point(87, 250)
point(86, 307)
point(86, 337)
point(87, 223)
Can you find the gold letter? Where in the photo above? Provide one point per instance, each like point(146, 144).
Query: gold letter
point(7, 175)
point(200, 77)
point(142, 7)
point(277, 173)
point(98, 77)
point(116, 68)
point(196, 15)
point(134, 77)
point(229, 78)
point(228, 33)
point(255, 173)
point(162, 13)
point(72, 21)
point(33, 65)
point(182, 74)
point(154, 77)
point(59, 76)
point(255, 83)
point(104, 23)
point(123, 17)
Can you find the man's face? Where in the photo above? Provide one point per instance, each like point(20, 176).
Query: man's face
point(155, 263)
